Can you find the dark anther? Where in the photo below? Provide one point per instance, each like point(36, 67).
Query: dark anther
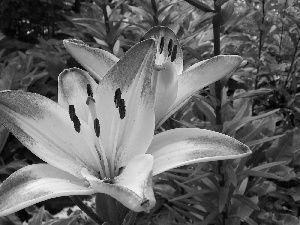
point(170, 47)
point(120, 103)
point(71, 111)
point(89, 99)
point(122, 109)
point(117, 98)
point(174, 52)
point(89, 90)
point(97, 127)
point(161, 45)
point(121, 170)
point(74, 118)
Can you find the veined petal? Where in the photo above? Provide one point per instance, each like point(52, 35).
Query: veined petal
point(46, 129)
point(167, 47)
point(133, 187)
point(125, 105)
point(96, 61)
point(198, 76)
point(72, 90)
point(36, 183)
point(184, 146)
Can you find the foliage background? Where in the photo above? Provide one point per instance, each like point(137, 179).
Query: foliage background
point(257, 104)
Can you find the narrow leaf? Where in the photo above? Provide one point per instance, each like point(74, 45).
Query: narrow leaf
point(260, 174)
point(246, 201)
point(200, 5)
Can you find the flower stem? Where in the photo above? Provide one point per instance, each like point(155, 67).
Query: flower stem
point(217, 50)
point(86, 209)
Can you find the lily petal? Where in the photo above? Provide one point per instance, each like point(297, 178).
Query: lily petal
point(184, 146)
point(96, 61)
point(36, 183)
point(72, 90)
point(46, 129)
point(133, 187)
point(125, 105)
point(198, 76)
point(167, 47)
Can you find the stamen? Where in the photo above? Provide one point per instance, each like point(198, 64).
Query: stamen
point(117, 98)
point(161, 46)
point(89, 90)
point(120, 103)
point(114, 138)
point(97, 127)
point(99, 145)
point(91, 104)
point(122, 109)
point(74, 118)
point(170, 47)
point(174, 52)
point(121, 170)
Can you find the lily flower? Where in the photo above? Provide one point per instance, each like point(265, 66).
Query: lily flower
point(173, 86)
point(99, 137)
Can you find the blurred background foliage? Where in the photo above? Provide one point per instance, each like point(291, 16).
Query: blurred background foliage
point(258, 105)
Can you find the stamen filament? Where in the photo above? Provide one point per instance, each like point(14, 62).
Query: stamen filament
point(115, 143)
point(92, 107)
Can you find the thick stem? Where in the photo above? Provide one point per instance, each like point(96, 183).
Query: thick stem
point(217, 50)
point(260, 43)
point(218, 90)
point(259, 50)
point(86, 209)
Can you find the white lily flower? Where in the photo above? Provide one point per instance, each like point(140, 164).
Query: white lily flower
point(173, 86)
point(99, 138)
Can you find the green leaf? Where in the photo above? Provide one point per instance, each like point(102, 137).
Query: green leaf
point(206, 109)
point(10, 220)
point(145, 5)
point(221, 2)
point(284, 219)
point(229, 130)
point(71, 220)
point(223, 197)
point(37, 218)
point(285, 148)
point(110, 210)
point(246, 201)
point(231, 174)
point(249, 94)
point(13, 166)
point(260, 174)
point(292, 18)
point(211, 216)
point(176, 214)
point(226, 11)
point(263, 140)
point(200, 5)
point(142, 12)
point(245, 219)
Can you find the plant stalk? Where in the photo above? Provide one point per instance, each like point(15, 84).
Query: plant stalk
point(218, 89)
point(86, 209)
point(217, 44)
